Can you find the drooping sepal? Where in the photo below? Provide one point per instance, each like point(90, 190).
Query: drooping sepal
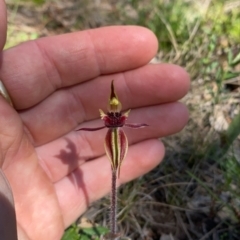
point(116, 146)
point(91, 129)
point(135, 125)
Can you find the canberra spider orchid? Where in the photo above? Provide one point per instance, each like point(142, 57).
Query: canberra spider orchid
point(116, 146)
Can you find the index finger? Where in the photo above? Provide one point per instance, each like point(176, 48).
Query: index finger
point(35, 69)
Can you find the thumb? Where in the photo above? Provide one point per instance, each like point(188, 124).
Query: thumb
point(11, 132)
point(9, 120)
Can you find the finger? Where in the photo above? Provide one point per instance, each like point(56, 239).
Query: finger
point(92, 180)
point(35, 69)
point(3, 25)
point(65, 109)
point(61, 157)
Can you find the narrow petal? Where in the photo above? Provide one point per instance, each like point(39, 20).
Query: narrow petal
point(102, 114)
point(90, 129)
point(125, 114)
point(116, 146)
point(135, 125)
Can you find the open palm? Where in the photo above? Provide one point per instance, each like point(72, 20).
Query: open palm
point(58, 84)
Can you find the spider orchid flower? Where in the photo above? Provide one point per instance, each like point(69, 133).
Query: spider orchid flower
point(116, 143)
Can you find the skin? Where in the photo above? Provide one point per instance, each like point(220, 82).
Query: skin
point(57, 84)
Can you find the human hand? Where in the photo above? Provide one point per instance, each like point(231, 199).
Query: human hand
point(58, 84)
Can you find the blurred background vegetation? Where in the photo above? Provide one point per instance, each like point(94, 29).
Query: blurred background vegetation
point(195, 192)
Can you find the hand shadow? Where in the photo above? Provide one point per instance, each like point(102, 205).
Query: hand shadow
point(70, 156)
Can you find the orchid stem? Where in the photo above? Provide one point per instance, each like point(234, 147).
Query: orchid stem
point(113, 209)
point(116, 146)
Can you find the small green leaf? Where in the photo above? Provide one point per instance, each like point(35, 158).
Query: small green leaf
point(71, 233)
point(92, 233)
point(236, 60)
point(230, 57)
point(229, 75)
point(76, 233)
